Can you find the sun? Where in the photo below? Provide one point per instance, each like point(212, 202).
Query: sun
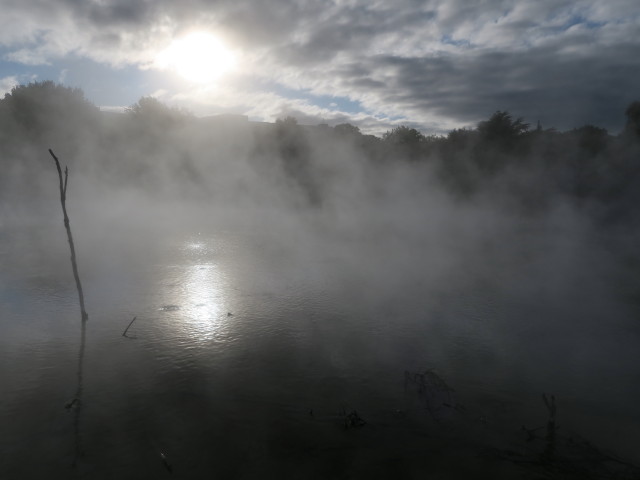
point(198, 57)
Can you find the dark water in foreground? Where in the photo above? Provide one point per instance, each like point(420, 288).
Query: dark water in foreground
point(244, 364)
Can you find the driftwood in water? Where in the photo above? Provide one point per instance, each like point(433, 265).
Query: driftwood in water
point(74, 263)
point(124, 334)
point(433, 390)
point(565, 457)
point(353, 420)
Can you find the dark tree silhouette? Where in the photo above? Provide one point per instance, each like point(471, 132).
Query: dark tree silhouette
point(406, 141)
point(153, 142)
point(632, 128)
point(456, 169)
point(403, 135)
point(498, 139)
point(501, 128)
point(35, 117)
point(295, 153)
point(149, 112)
point(592, 140)
point(34, 112)
point(460, 139)
point(287, 123)
point(346, 129)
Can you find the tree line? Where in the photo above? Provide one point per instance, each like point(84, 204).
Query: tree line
point(151, 142)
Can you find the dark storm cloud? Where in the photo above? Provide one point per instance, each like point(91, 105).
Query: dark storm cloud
point(432, 63)
point(562, 90)
point(118, 13)
point(352, 30)
point(543, 67)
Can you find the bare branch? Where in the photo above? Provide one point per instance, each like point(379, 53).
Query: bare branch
point(74, 264)
point(66, 176)
point(124, 334)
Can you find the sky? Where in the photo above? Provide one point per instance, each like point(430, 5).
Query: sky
point(434, 65)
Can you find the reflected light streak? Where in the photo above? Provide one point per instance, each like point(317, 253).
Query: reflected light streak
point(203, 311)
point(203, 300)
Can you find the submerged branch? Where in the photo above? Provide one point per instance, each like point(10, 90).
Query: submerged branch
point(78, 397)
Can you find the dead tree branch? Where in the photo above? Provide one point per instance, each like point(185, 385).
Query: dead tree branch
point(77, 400)
point(74, 264)
point(124, 334)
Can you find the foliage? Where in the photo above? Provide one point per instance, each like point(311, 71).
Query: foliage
point(286, 123)
point(44, 109)
point(632, 128)
point(346, 129)
point(501, 127)
point(591, 139)
point(405, 141)
point(403, 135)
point(152, 141)
point(460, 138)
point(152, 112)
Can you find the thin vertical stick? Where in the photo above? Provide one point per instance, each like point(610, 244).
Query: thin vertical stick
point(124, 334)
point(77, 401)
point(74, 264)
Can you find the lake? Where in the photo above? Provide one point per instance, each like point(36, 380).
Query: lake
point(322, 356)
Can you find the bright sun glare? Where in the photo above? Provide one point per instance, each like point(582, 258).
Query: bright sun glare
point(198, 57)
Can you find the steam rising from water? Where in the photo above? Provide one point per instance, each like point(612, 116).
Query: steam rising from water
point(340, 270)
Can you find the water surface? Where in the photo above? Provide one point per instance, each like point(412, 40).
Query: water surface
point(246, 359)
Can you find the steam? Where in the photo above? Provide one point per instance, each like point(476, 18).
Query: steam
point(467, 211)
point(400, 231)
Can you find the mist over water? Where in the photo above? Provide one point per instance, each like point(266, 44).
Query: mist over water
point(283, 276)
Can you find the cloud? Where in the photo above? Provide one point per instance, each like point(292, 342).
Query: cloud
point(436, 64)
point(7, 83)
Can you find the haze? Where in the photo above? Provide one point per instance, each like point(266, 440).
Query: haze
point(348, 240)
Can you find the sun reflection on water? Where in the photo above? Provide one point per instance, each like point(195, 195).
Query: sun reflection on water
point(196, 246)
point(201, 291)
